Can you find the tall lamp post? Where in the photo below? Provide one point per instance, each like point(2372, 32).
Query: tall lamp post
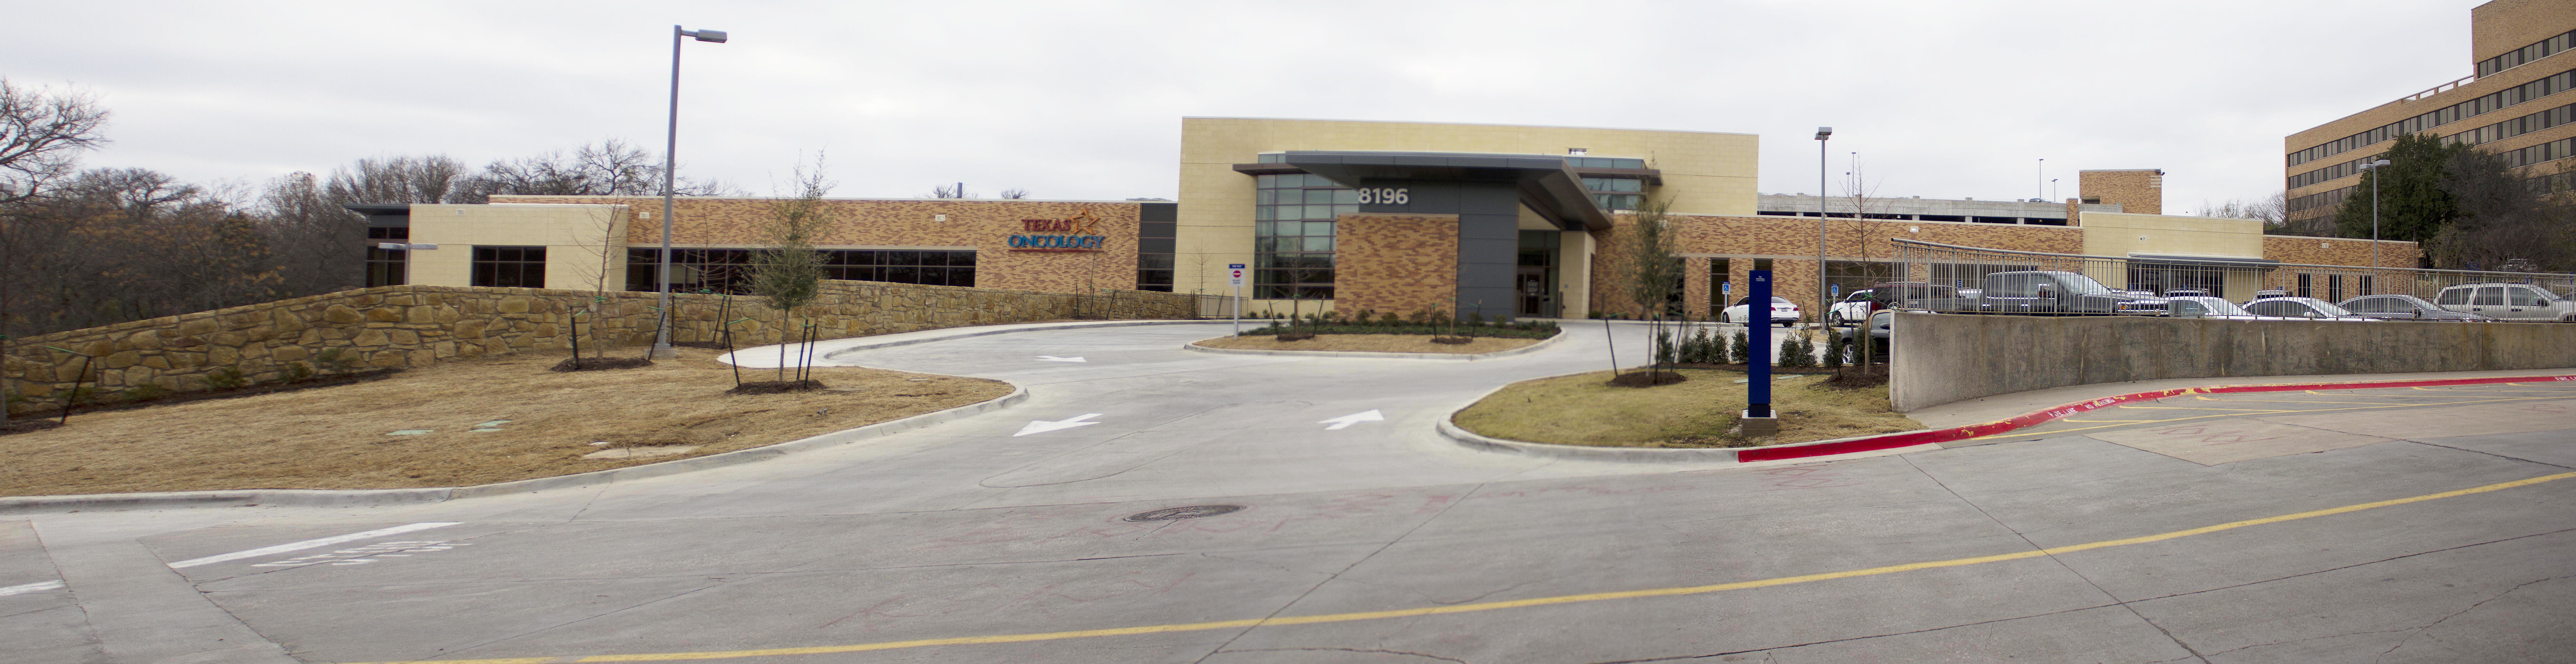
point(1824, 135)
point(2373, 167)
point(670, 184)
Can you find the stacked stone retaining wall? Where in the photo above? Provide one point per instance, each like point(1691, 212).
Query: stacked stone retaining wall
point(417, 326)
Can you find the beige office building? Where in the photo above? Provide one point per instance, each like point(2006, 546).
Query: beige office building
point(2513, 102)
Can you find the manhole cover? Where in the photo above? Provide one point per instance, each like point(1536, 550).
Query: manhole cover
point(1179, 513)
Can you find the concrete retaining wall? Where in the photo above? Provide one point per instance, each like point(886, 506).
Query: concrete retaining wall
point(1946, 358)
point(416, 326)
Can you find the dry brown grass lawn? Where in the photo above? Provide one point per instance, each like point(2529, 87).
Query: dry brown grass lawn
point(1585, 410)
point(335, 437)
point(1382, 343)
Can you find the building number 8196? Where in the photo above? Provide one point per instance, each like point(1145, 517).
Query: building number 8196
point(1384, 195)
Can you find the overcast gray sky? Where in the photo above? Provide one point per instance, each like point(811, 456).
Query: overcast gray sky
point(1083, 100)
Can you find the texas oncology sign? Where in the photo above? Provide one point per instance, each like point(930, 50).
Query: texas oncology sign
point(1080, 232)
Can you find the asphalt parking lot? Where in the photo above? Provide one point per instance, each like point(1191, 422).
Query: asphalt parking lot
point(1204, 511)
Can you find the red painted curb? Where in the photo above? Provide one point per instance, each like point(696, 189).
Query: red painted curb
point(1910, 438)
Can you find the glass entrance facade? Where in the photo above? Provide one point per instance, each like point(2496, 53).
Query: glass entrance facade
point(1292, 232)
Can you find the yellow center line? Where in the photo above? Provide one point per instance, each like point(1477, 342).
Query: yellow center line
point(1487, 606)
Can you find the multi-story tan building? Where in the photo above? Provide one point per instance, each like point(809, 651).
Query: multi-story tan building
point(2514, 102)
point(1380, 217)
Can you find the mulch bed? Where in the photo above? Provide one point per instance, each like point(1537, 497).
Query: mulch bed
point(776, 387)
point(1858, 378)
point(20, 424)
point(1453, 341)
point(243, 391)
point(1647, 378)
point(710, 345)
point(600, 363)
point(1301, 336)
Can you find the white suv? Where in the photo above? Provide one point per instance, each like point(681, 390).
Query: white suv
point(2507, 302)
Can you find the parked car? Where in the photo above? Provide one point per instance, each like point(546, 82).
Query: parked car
point(1783, 312)
point(2209, 307)
point(2188, 292)
point(2267, 294)
point(2407, 307)
point(1851, 309)
point(1902, 294)
point(2049, 292)
point(1880, 328)
point(2304, 308)
point(2507, 302)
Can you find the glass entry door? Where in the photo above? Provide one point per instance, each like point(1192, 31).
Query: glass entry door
point(1531, 284)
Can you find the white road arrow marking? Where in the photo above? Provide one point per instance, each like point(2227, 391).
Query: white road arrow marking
point(1345, 421)
point(1051, 358)
point(1043, 426)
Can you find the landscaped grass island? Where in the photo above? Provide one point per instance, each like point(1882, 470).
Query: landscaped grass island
point(459, 423)
point(1701, 411)
point(1389, 335)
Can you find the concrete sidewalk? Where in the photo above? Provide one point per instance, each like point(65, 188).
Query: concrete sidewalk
point(2001, 406)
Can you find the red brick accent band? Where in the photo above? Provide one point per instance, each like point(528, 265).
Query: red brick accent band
point(1911, 438)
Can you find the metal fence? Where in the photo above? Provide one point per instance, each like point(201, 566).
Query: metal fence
point(2235, 279)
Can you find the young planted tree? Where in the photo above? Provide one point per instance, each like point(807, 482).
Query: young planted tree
point(1654, 273)
point(788, 274)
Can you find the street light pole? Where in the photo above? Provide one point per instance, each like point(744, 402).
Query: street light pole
point(670, 185)
point(1824, 135)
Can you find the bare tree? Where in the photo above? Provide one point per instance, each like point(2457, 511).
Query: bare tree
point(317, 243)
point(1863, 235)
point(2272, 210)
point(1015, 193)
point(609, 168)
point(42, 136)
point(403, 179)
point(951, 191)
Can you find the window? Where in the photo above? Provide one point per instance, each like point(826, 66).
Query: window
point(2491, 296)
point(729, 270)
point(386, 267)
point(2304, 285)
point(1615, 193)
point(2272, 307)
point(1292, 235)
point(2526, 297)
point(1156, 233)
point(2499, 100)
point(2334, 288)
point(2453, 297)
point(510, 267)
point(2185, 309)
point(2363, 283)
point(1721, 281)
point(1849, 277)
point(2372, 305)
point(2515, 58)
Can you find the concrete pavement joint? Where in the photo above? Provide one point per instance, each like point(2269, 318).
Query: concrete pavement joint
point(1244, 625)
point(2492, 454)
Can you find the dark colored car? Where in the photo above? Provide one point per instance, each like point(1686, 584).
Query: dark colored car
point(2051, 292)
point(1903, 294)
point(1880, 329)
point(2407, 307)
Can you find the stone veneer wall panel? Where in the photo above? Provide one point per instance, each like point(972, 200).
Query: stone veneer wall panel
point(417, 326)
point(1395, 263)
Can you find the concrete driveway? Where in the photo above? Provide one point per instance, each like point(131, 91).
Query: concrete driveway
point(1152, 505)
